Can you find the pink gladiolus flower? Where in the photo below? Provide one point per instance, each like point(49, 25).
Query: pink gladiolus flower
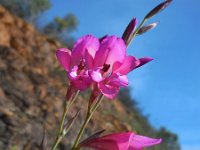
point(121, 141)
point(111, 65)
point(75, 63)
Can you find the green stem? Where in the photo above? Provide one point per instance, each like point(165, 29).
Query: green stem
point(90, 113)
point(60, 133)
point(135, 32)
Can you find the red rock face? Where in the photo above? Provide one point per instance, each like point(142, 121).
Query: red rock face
point(29, 95)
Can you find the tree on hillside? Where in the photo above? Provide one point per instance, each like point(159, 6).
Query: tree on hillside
point(30, 10)
point(26, 9)
point(125, 97)
point(60, 28)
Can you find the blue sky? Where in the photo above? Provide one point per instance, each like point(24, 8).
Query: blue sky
point(167, 89)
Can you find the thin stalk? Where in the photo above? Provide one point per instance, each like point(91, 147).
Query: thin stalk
point(90, 113)
point(60, 133)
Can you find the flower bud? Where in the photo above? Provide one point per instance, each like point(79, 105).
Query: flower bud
point(102, 38)
point(129, 30)
point(147, 28)
point(158, 8)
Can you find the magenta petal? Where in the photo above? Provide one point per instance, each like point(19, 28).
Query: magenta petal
point(102, 145)
point(123, 80)
point(111, 50)
point(73, 73)
point(118, 141)
point(116, 66)
point(121, 141)
point(81, 82)
point(117, 50)
point(100, 57)
point(109, 90)
point(144, 61)
point(89, 60)
point(96, 75)
point(139, 142)
point(118, 79)
point(87, 42)
point(64, 57)
point(128, 65)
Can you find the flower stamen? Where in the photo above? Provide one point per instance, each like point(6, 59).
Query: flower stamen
point(106, 67)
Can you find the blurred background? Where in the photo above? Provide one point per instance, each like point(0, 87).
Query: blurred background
point(161, 101)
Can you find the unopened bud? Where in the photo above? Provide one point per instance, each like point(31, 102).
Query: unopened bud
point(147, 28)
point(158, 8)
point(102, 38)
point(129, 30)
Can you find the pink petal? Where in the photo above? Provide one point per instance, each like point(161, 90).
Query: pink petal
point(88, 42)
point(64, 57)
point(139, 142)
point(79, 81)
point(96, 75)
point(112, 49)
point(73, 74)
point(117, 50)
point(109, 90)
point(121, 141)
point(102, 145)
point(110, 86)
point(144, 61)
point(118, 141)
point(123, 80)
point(118, 79)
point(89, 60)
point(116, 66)
point(128, 65)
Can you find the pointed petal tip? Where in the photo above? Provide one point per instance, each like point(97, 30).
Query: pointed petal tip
point(143, 61)
point(158, 141)
point(149, 59)
point(134, 20)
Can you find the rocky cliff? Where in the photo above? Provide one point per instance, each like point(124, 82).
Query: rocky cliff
point(33, 87)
